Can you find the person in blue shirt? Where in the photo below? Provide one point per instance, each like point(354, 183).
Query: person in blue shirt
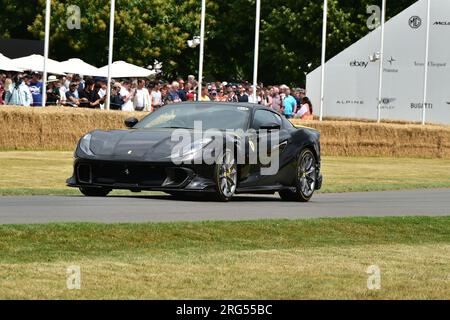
point(289, 105)
point(36, 88)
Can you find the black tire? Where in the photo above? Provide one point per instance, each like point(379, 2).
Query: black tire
point(225, 177)
point(305, 181)
point(94, 192)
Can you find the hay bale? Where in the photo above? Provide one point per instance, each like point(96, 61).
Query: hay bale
point(58, 128)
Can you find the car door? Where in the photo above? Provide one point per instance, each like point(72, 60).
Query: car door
point(264, 138)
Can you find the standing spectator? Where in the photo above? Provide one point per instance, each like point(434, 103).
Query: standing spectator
point(182, 92)
point(232, 97)
point(72, 96)
point(289, 105)
point(62, 91)
point(89, 97)
point(165, 95)
point(191, 80)
point(251, 99)
point(2, 87)
point(36, 88)
point(306, 110)
point(142, 99)
point(67, 81)
point(276, 99)
point(116, 101)
point(127, 95)
point(7, 85)
point(266, 99)
point(221, 96)
point(102, 89)
point(242, 95)
point(156, 97)
point(52, 91)
point(190, 95)
point(205, 96)
point(173, 93)
point(18, 93)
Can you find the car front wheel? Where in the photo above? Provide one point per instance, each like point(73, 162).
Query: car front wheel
point(226, 176)
point(306, 179)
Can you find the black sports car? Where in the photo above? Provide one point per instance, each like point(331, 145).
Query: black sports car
point(218, 149)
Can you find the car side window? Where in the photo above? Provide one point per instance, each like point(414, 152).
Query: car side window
point(264, 117)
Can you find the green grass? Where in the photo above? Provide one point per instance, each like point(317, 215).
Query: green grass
point(45, 173)
point(323, 258)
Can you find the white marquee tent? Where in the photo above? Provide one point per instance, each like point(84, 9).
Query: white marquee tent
point(8, 64)
point(78, 66)
point(351, 79)
point(35, 62)
point(122, 69)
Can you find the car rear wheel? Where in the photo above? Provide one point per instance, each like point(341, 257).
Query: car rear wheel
point(226, 176)
point(95, 192)
point(306, 179)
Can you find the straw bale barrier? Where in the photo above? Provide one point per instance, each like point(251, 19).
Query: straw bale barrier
point(59, 128)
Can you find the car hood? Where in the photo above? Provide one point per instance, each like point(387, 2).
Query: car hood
point(153, 145)
point(133, 145)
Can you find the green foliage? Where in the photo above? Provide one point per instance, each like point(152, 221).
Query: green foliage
point(145, 30)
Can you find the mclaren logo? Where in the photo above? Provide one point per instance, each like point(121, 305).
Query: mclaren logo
point(130, 152)
point(442, 23)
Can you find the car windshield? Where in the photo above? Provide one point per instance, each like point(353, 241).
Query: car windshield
point(211, 116)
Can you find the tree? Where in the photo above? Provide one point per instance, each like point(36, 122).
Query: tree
point(145, 30)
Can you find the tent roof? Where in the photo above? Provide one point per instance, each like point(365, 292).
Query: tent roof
point(35, 62)
point(122, 69)
point(8, 64)
point(78, 66)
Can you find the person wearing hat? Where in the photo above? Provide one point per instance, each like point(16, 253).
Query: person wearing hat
point(53, 94)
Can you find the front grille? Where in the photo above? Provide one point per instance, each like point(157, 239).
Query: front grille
point(119, 173)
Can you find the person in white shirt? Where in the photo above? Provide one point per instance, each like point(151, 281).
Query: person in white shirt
point(102, 91)
point(142, 99)
point(156, 97)
point(127, 95)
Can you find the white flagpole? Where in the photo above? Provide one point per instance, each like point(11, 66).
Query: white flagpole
point(46, 47)
point(256, 55)
point(110, 53)
point(380, 74)
point(202, 50)
point(427, 51)
point(324, 50)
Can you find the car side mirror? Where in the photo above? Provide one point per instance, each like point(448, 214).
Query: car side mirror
point(270, 126)
point(131, 122)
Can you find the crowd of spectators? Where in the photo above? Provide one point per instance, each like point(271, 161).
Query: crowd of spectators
point(144, 95)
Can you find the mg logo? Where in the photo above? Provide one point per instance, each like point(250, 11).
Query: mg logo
point(415, 22)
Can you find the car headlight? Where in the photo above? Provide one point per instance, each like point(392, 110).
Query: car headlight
point(189, 151)
point(85, 144)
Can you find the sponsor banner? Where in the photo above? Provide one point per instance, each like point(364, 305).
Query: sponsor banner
point(354, 93)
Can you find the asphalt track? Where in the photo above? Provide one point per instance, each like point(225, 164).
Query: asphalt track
point(46, 209)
